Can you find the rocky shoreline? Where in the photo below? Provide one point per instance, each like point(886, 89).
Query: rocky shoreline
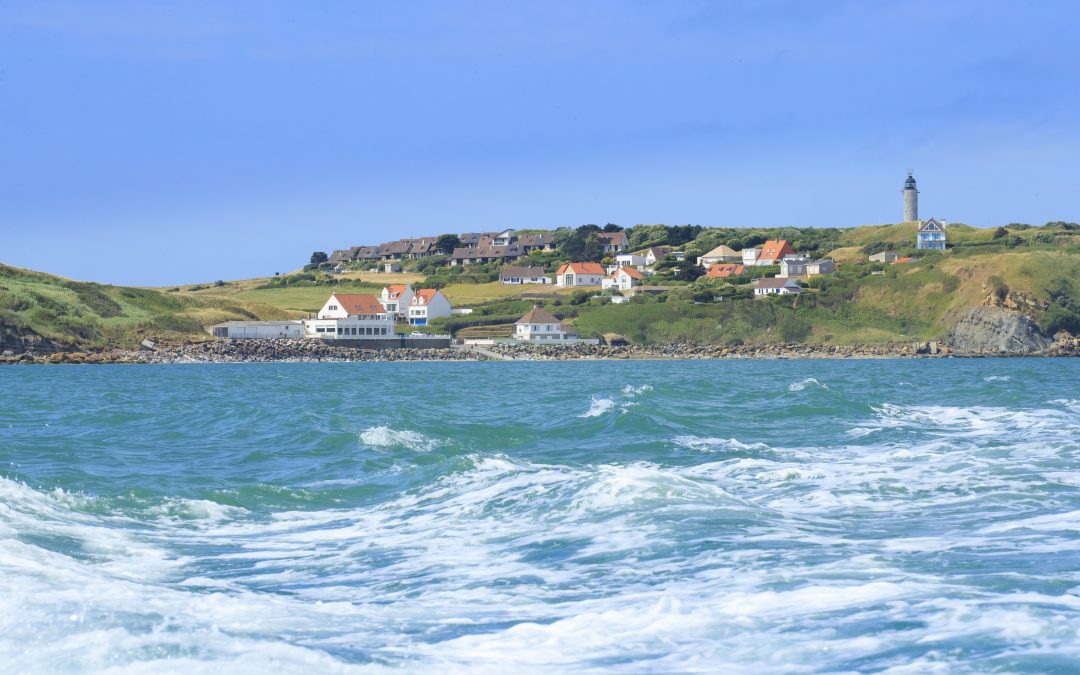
point(304, 350)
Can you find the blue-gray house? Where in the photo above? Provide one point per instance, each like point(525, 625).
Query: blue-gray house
point(931, 235)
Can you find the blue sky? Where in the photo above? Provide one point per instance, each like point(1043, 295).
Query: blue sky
point(161, 143)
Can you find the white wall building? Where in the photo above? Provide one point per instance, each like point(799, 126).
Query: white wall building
point(580, 274)
point(750, 256)
point(540, 325)
point(630, 260)
point(428, 304)
point(259, 330)
point(776, 286)
point(623, 279)
point(395, 300)
point(350, 317)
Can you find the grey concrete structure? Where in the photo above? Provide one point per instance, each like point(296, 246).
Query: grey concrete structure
point(911, 199)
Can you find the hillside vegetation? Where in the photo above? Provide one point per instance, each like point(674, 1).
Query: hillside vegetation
point(862, 303)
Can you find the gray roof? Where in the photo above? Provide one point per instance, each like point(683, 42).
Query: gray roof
point(538, 315)
point(521, 272)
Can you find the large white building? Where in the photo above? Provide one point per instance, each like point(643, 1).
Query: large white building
point(259, 330)
point(428, 304)
point(351, 317)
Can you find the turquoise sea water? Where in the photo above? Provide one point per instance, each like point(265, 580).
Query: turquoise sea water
point(814, 516)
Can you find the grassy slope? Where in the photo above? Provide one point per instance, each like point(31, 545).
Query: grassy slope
point(96, 315)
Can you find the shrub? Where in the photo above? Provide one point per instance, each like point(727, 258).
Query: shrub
point(1058, 317)
point(792, 329)
point(998, 287)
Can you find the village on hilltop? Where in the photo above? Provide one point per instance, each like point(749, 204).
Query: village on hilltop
point(607, 266)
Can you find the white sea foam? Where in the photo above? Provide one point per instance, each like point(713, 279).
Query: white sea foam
point(598, 407)
point(808, 382)
point(716, 444)
point(997, 378)
point(385, 437)
point(631, 391)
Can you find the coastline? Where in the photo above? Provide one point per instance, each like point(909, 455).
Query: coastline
point(308, 351)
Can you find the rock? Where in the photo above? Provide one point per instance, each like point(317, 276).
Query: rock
point(989, 329)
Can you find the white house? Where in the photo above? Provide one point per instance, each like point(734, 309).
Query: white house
point(720, 254)
point(630, 260)
point(657, 253)
point(776, 286)
point(539, 324)
point(352, 317)
point(428, 304)
point(931, 235)
point(256, 330)
point(579, 274)
point(750, 256)
point(523, 275)
point(613, 242)
point(623, 279)
point(503, 238)
point(395, 299)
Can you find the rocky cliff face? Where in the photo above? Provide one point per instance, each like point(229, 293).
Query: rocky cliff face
point(18, 341)
point(990, 329)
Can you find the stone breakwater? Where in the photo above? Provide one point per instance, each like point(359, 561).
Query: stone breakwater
point(254, 351)
point(247, 351)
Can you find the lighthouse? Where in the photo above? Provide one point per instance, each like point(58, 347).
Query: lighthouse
point(911, 199)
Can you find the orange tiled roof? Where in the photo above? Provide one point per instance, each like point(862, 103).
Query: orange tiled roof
point(359, 304)
point(722, 270)
point(633, 273)
point(775, 250)
point(424, 296)
point(582, 268)
point(395, 291)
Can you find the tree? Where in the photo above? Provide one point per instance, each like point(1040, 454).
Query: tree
point(752, 240)
point(612, 227)
point(446, 243)
point(580, 245)
point(1000, 232)
point(319, 257)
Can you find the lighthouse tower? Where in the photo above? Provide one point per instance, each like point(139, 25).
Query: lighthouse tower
point(911, 199)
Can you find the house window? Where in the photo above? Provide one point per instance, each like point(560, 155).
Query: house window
point(332, 307)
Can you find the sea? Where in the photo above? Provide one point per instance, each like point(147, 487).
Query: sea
point(899, 516)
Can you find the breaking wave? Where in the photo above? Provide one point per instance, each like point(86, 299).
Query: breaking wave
point(385, 437)
point(808, 382)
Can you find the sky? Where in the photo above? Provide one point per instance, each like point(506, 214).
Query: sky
point(177, 142)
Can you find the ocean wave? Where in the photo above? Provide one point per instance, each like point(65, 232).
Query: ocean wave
point(808, 382)
point(598, 407)
point(385, 437)
point(709, 444)
point(631, 391)
point(997, 378)
point(971, 421)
